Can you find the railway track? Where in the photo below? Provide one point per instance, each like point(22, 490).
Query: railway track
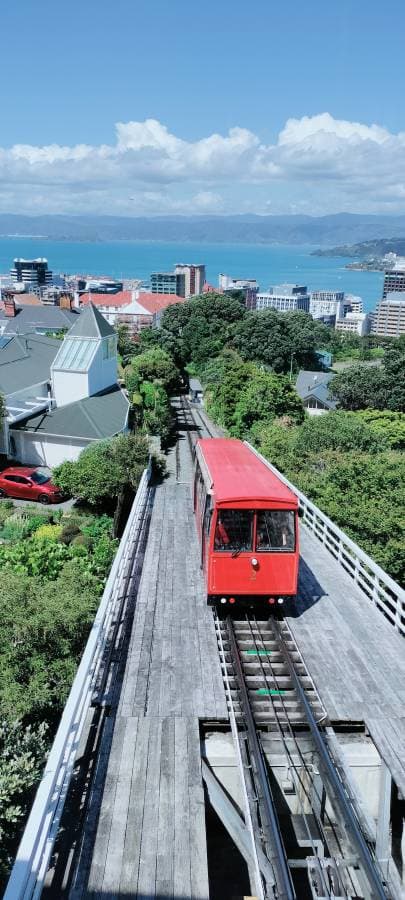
point(266, 673)
point(273, 702)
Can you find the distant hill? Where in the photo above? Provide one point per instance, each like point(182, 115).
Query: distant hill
point(374, 249)
point(324, 231)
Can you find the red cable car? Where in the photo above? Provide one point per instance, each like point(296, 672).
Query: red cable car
point(247, 522)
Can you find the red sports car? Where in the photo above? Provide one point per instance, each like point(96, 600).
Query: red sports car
point(28, 483)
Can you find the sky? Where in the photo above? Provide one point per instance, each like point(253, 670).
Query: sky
point(146, 107)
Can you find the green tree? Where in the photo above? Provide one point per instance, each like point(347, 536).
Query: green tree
point(380, 387)
point(338, 431)
point(104, 469)
point(240, 394)
point(264, 397)
point(43, 628)
point(386, 422)
point(127, 348)
point(201, 328)
point(154, 364)
point(22, 757)
point(279, 340)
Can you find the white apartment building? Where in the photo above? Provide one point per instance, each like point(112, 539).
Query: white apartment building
point(326, 303)
point(283, 302)
point(356, 322)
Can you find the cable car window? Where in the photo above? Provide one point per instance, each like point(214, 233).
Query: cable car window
point(234, 530)
point(207, 515)
point(275, 530)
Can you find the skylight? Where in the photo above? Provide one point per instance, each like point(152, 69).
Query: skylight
point(75, 354)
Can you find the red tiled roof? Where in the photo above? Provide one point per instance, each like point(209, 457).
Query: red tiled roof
point(209, 288)
point(121, 298)
point(156, 302)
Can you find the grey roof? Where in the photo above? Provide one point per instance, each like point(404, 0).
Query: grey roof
point(25, 361)
point(29, 318)
point(91, 324)
point(93, 418)
point(195, 384)
point(315, 384)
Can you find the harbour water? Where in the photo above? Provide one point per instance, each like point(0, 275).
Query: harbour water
point(137, 259)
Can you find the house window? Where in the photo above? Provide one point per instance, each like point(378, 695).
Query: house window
point(109, 347)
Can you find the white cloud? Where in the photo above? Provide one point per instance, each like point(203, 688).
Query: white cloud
point(317, 164)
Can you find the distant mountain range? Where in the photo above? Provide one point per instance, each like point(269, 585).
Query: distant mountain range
point(323, 231)
point(375, 249)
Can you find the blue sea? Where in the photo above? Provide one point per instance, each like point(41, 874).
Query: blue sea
point(269, 264)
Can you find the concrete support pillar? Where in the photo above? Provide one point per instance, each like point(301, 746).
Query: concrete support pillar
point(383, 842)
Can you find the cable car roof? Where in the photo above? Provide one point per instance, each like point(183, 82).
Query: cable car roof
point(235, 474)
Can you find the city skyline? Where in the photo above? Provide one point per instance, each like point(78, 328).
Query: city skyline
point(153, 109)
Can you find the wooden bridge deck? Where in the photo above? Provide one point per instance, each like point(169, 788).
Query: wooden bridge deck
point(144, 833)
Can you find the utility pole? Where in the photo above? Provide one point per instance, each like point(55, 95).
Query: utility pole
point(291, 366)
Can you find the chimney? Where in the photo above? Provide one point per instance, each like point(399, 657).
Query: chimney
point(66, 301)
point(9, 304)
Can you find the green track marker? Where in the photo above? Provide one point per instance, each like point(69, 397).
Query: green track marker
point(271, 691)
point(258, 652)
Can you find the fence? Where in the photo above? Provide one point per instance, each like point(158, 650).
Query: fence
point(31, 863)
point(382, 590)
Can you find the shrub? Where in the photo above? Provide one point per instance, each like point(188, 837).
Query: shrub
point(48, 533)
point(81, 540)
point(69, 532)
point(22, 756)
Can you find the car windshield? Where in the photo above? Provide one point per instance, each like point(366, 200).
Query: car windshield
point(234, 530)
point(40, 478)
point(275, 530)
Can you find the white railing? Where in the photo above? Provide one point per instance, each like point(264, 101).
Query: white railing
point(382, 590)
point(31, 863)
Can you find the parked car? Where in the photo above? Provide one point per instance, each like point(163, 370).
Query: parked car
point(28, 483)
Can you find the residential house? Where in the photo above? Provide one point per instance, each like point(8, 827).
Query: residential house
point(61, 396)
point(313, 389)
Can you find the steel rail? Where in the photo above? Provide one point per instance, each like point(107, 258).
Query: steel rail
point(235, 734)
point(375, 880)
point(281, 868)
point(292, 766)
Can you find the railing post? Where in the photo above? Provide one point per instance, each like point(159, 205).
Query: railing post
point(376, 589)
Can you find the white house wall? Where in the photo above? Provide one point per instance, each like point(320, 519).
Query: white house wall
point(33, 450)
point(67, 387)
point(102, 372)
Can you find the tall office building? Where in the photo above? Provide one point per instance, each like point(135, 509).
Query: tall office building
point(389, 317)
point(394, 281)
point(194, 278)
point(168, 283)
point(34, 273)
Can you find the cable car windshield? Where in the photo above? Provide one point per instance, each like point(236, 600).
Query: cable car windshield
point(234, 530)
point(275, 530)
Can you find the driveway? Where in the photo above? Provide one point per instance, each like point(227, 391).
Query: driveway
point(67, 504)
